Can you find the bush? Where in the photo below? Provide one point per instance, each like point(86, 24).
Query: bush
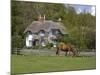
point(17, 42)
point(49, 45)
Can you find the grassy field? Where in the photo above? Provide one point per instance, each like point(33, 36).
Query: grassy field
point(35, 64)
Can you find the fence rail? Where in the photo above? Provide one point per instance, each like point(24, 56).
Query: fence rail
point(16, 51)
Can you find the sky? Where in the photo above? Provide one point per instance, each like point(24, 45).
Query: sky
point(87, 8)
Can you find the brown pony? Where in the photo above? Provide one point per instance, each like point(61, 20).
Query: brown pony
point(66, 48)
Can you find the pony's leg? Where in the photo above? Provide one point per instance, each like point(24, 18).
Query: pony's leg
point(57, 52)
point(74, 53)
point(66, 53)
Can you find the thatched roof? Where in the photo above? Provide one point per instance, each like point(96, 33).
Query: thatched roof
point(46, 25)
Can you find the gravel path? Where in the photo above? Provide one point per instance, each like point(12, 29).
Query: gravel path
point(48, 52)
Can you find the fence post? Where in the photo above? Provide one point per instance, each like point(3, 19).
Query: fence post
point(18, 51)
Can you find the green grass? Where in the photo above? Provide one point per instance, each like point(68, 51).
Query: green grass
point(35, 64)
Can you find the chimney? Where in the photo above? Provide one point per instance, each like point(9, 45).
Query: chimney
point(59, 20)
point(44, 17)
point(40, 18)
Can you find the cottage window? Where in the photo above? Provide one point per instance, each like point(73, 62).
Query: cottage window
point(29, 32)
point(42, 33)
point(55, 31)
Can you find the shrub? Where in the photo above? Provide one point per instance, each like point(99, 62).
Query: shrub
point(17, 42)
point(49, 45)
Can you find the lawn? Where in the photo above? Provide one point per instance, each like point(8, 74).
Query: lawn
point(36, 64)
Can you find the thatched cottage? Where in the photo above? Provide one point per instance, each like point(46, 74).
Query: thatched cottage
point(43, 31)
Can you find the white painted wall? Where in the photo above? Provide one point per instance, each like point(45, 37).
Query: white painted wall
point(29, 40)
